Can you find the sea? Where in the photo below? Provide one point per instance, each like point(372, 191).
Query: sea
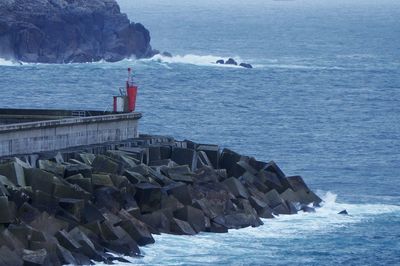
point(322, 101)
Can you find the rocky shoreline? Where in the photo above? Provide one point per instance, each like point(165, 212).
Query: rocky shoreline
point(69, 31)
point(79, 206)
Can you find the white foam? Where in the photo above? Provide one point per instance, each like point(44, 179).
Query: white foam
point(192, 59)
point(208, 247)
point(5, 62)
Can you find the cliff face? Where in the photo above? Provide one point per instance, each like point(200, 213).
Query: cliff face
point(63, 31)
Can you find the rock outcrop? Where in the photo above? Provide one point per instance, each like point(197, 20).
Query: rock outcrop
point(75, 206)
point(233, 62)
point(63, 31)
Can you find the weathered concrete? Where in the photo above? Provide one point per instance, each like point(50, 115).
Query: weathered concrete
point(50, 135)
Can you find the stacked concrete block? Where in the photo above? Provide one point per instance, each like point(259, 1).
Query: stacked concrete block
point(72, 207)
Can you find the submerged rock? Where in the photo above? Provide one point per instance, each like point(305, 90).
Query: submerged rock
point(245, 65)
point(221, 62)
point(344, 212)
point(231, 61)
point(63, 31)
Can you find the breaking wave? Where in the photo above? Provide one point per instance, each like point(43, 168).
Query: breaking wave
point(198, 60)
point(5, 62)
point(171, 249)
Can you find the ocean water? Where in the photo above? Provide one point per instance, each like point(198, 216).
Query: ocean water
point(323, 101)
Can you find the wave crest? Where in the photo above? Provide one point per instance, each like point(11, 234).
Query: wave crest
point(192, 59)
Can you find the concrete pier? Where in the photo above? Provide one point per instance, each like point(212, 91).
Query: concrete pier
point(50, 130)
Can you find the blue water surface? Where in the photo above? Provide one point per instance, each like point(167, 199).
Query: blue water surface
point(323, 101)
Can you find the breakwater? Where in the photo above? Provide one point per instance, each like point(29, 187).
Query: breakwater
point(81, 204)
point(26, 131)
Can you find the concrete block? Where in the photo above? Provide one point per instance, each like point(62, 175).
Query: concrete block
point(290, 196)
point(73, 206)
point(180, 174)
point(9, 257)
point(27, 213)
point(6, 214)
point(154, 154)
point(135, 178)
point(82, 182)
point(165, 152)
point(271, 180)
point(170, 203)
point(14, 172)
point(228, 161)
point(103, 164)
point(75, 169)
point(105, 197)
point(6, 182)
point(120, 181)
point(164, 162)
point(203, 160)
point(247, 167)
point(148, 197)
point(139, 154)
point(236, 188)
point(272, 167)
point(184, 156)
point(65, 256)
point(40, 180)
point(282, 208)
point(44, 202)
point(70, 191)
point(157, 220)
point(138, 231)
point(87, 247)
point(18, 195)
point(217, 228)
point(91, 214)
point(193, 216)
point(52, 167)
point(212, 152)
point(102, 180)
point(180, 191)
point(87, 158)
point(48, 224)
point(273, 198)
point(35, 257)
point(180, 227)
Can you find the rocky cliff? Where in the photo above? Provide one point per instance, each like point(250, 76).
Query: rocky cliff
point(63, 31)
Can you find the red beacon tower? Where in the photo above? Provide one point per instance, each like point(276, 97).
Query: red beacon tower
point(127, 102)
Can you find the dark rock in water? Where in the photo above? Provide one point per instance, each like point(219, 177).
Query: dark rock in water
point(166, 54)
point(221, 62)
point(64, 31)
point(245, 65)
point(231, 61)
point(344, 212)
